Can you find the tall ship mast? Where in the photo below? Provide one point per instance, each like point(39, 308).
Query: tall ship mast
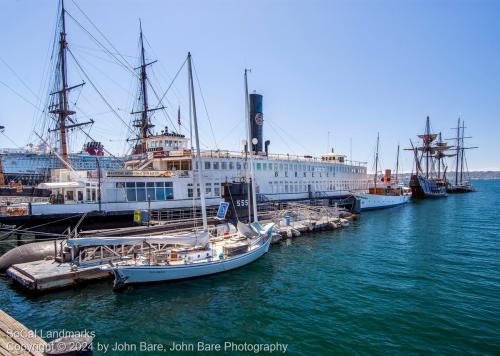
point(143, 122)
point(32, 165)
point(59, 105)
point(461, 182)
point(429, 178)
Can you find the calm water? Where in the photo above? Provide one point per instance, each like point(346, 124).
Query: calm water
point(421, 278)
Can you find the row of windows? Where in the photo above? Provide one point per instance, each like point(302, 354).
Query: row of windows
point(143, 191)
point(208, 190)
point(301, 187)
point(283, 167)
point(165, 143)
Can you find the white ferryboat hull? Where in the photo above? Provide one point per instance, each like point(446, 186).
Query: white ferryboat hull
point(374, 201)
point(148, 274)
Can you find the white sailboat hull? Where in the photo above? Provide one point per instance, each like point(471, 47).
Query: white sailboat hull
point(374, 201)
point(148, 274)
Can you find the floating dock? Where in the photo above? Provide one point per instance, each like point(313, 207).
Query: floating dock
point(66, 270)
point(46, 275)
point(17, 339)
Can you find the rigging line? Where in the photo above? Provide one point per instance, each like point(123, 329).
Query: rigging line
point(86, 48)
point(160, 103)
point(19, 78)
point(286, 143)
point(8, 138)
point(272, 125)
point(205, 105)
point(103, 73)
point(20, 95)
point(172, 82)
point(87, 53)
point(126, 65)
point(294, 140)
point(102, 34)
point(166, 76)
point(98, 92)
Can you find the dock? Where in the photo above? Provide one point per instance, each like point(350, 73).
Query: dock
point(68, 269)
point(17, 339)
point(46, 275)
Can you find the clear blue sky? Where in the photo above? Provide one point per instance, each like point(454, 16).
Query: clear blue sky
point(353, 68)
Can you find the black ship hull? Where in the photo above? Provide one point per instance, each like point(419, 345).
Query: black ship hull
point(422, 188)
point(460, 189)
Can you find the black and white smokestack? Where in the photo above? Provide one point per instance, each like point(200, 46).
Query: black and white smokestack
point(256, 121)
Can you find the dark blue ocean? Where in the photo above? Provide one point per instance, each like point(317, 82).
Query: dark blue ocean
point(423, 278)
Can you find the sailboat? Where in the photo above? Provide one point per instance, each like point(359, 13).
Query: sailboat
point(385, 193)
point(203, 256)
point(425, 183)
point(460, 185)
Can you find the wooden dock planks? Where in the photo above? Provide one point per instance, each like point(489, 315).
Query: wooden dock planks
point(16, 339)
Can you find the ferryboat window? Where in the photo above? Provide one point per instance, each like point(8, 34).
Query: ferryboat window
point(208, 188)
point(259, 166)
point(231, 165)
point(281, 166)
point(217, 189)
point(207, 165)
point(190, 190)
point(131, 196)
point(169, 190)
point(238, 165)
point(276, 166)
point(141, 191)
point(80, 195)
point(150, 190)
point(216, 165)
point(160, 191)
point(223, 165)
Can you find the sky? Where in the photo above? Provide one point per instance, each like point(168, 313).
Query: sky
point(333, 73)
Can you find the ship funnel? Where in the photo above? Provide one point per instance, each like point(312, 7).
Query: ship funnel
point(256, 121)
point(387, 176)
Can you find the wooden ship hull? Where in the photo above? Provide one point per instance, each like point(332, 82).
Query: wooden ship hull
point(422, 188)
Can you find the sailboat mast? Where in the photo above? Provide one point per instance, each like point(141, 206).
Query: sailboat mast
point(250, 146)
point(462, 154)
point(198, 151)
point(397, 165)
point(458, 151)
point(63, 95)
point(376, 164)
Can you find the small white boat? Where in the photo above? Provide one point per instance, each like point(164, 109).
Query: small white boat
point(387, 192)
point(182, 263)
point(378, 201)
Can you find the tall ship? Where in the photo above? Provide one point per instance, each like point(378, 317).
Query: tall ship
point(429, 178)
point(461, 182)
point(32, 165)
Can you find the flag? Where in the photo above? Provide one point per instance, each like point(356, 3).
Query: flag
point(179, 116)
